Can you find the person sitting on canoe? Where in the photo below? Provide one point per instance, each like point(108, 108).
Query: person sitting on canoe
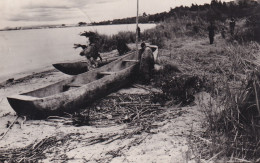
point(90, 52)
point(146, 63)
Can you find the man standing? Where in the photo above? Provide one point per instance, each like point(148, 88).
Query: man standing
point(223, 33)
point(146, 63)
point(139, 32)
point(232, 24)
point(211, 29)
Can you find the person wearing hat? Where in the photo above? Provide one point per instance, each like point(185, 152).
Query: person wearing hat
point(146, 63)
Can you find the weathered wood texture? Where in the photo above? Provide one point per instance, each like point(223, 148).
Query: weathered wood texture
point(76, 92)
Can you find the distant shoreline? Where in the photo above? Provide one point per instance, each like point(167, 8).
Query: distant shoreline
point(58, 26)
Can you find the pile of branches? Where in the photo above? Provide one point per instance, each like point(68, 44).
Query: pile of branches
point(37, 151)
point(177, 87)
point(134, 110)
point(33, 152)
point(180, 89)
point(142, 109)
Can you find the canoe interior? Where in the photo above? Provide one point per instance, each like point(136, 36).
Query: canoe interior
point(72, 68)
point(75, 68)
point(85, 78)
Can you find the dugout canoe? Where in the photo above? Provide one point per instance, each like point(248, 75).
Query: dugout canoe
point(77, 91)
point(75, 68)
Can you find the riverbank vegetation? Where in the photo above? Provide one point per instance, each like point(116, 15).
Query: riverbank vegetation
point(193, 21)
point(228, 70)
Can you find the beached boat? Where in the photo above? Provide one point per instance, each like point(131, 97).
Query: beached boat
point(75, 68)
point(78, 91)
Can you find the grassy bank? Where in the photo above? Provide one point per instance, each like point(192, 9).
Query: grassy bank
point(228, 70)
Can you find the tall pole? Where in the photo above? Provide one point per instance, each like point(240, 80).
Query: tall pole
point(136, 34)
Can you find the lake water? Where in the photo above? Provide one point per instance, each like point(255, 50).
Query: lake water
point(24, 51)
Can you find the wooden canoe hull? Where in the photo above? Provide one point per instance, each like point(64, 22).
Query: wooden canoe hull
point(74, 100)
point(72, 68)
point(75, 68)
point(56, 99)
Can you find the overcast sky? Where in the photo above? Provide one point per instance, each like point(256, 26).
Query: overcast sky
point(37, 12)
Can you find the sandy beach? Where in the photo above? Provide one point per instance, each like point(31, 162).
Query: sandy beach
point(166, 141)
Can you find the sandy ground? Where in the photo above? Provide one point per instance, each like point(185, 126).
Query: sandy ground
point(167, 142)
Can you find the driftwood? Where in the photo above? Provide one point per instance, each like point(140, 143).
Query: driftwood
point(10, 126)
point(138, 104)
point(33, 152)
point(153, 90)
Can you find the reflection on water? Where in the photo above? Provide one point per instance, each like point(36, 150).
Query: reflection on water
point(28, 50)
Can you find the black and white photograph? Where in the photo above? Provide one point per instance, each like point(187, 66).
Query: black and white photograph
point(130, 81)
